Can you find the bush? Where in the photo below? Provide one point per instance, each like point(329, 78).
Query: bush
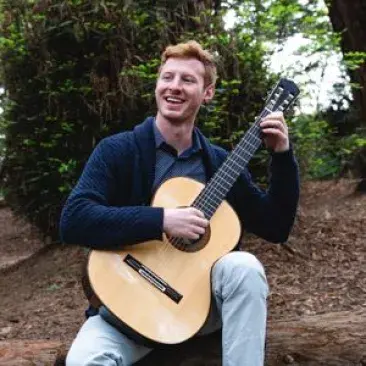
point(77, 70)
point(322, 153)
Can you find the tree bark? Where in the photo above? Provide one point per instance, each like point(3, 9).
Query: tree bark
point(331, 339)
point(31, 352)
point(349, 18)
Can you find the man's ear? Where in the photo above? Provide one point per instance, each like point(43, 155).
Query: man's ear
point(209, 93)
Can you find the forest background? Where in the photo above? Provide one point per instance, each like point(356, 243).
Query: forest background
point(75, 71)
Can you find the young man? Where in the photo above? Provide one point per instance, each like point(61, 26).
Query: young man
point(109, 208)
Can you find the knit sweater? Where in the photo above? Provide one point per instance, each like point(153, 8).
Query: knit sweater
point(109, 206)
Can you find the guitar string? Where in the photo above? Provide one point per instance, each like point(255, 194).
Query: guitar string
point(201, 202)
point(212, 197)
point(209, 195)
point(227, 167)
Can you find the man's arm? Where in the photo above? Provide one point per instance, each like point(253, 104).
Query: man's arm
point(89, 219)
point(271, 214)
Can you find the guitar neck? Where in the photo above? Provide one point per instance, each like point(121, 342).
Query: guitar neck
point(210, 198)
point(220, 184)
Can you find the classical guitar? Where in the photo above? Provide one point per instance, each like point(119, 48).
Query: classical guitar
point(162, 289)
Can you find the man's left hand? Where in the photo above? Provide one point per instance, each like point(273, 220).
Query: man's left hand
point(275, 132)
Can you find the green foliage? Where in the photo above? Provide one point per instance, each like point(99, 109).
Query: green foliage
point(324, 140)
point(78, 70)
point(314, 143)
point(277, 20)
point(323, 153)
point(354, 60)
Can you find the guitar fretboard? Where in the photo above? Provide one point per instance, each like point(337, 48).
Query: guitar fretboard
point(218, 187)
point(220, 184)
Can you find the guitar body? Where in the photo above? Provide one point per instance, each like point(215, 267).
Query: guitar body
point(140, 304)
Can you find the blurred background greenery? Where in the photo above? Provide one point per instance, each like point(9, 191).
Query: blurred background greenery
point(75, 71)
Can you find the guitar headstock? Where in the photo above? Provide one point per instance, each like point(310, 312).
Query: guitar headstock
point(282, 95)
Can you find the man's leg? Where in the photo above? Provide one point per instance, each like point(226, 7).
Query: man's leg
point(240, 289)
point(99, 343)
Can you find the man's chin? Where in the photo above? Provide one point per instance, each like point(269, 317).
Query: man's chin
point(175, 118)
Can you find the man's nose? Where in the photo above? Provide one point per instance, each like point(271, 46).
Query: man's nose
point(175, 84)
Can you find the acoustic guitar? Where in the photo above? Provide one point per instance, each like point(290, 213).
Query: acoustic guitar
point(161, 290)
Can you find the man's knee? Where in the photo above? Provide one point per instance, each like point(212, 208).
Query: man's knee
point(99, 343)
point(94, 345)
point(240, 270)
point(104, 358)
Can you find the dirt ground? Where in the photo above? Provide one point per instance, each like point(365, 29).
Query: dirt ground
point(321, 270)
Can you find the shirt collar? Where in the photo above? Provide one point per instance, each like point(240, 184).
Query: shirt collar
point(159, 141)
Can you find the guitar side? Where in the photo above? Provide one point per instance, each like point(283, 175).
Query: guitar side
point(135, 295)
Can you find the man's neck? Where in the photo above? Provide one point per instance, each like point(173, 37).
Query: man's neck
point(178, 135)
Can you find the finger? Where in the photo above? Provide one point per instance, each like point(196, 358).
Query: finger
point(273, 122)
point(270, 128)
point(198, 230)
point(274, 132)
point(275, 115)
point(192, 235)
point(198, 212)
point(198, 221)
point(274, 119)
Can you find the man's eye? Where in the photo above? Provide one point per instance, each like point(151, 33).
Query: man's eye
point(188, 80)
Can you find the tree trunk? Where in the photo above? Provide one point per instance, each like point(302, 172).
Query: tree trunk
point(330, 339)
point(335, 339)
point(349, 18)
point(31, 352)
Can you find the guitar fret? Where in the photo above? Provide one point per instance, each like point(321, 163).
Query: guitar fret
point(230, 168)
point(236, 163)
point(268, 110)
point(216, 195)
point(207, 203)
point(239, 157)
point(220, 178)
point(244, 152)
point(247, 150)
point(250, 144)
point(213, 202)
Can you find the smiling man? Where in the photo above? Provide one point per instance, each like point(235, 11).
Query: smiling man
point(109, 208)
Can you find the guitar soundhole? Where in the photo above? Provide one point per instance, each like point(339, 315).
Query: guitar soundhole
point(191, 246)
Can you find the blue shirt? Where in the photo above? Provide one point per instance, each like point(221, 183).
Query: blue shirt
point(169, 164)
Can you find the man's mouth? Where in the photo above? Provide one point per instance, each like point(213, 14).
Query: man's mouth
point(174, 100)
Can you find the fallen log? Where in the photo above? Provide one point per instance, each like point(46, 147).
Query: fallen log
point(334, 339)
point(327, 339)
point(31, 352)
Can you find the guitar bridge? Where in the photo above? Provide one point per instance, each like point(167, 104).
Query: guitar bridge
point(153, 278)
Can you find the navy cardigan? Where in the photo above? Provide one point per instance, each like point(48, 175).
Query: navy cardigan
point(109, 206)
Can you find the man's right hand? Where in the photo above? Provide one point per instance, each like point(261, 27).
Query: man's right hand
point(187, 223)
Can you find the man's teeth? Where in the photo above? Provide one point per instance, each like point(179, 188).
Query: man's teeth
point(174, 100)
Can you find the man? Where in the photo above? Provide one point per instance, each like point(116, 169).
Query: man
point(109, 208)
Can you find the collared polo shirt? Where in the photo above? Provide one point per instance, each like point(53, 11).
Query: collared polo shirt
point(169, 164)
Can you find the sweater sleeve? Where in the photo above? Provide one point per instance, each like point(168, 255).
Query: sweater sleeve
point(269, 214)
point(89, 219)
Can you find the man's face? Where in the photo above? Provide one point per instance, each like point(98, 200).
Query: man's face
point(180, 89)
